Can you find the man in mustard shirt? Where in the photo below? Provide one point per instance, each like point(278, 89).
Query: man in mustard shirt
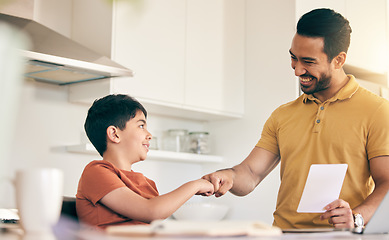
point(334, 121)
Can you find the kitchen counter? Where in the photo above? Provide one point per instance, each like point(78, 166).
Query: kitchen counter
point(18, 235)
point(68, 230)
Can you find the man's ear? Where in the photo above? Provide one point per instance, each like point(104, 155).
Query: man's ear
point(339, 60)
point(112, 134)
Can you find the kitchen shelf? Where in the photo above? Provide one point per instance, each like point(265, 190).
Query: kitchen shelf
point(159, 155)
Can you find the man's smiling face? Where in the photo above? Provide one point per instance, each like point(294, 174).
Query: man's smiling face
point(310, 63)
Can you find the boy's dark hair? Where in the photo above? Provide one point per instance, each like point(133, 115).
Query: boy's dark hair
point(112, 110)
point(331, 26)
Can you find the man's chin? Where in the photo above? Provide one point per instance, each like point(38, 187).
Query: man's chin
point(306, 90)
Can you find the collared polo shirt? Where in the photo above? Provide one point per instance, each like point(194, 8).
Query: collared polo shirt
point(351, 127)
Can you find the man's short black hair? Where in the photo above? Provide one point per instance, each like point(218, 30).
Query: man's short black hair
point(112, 110)
point(331, 26)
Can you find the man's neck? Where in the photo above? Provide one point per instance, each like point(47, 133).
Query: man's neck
point(337, 83)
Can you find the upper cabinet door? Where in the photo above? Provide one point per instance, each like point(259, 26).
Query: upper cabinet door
point(215, 55)
point(149, 37)
point(204, 55)
point(187, 55)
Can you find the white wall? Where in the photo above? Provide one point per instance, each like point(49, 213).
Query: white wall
point(270, 82)
point(45, 124)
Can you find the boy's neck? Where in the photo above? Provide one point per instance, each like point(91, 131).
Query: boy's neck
point(119, 162)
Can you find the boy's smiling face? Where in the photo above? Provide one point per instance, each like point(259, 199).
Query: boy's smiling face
point(135, 138)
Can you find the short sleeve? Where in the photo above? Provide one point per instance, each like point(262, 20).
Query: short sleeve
point(268, 139)
point(99, 179)
point(378, 136)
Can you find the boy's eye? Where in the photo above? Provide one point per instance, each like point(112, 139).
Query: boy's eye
point(142, 126)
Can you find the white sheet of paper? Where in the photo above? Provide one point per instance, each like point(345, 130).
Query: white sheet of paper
point(323, 186)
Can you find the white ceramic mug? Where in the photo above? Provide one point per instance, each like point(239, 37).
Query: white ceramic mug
point(39, 195)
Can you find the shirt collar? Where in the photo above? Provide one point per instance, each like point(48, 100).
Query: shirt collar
point(344, 93)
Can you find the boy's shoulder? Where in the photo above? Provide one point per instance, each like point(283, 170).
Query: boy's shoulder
point(98, 169)
point(99, 164)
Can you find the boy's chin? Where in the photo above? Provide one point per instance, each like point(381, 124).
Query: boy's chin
point(141, 159)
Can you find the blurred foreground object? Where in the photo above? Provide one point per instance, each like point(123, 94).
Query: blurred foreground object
point(170, 228)
point(11, 72)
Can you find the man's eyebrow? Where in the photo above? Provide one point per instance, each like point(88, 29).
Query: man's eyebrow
point(142, 120)
point(309, 59)
point(304, 58)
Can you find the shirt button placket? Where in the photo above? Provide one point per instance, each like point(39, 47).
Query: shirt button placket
point(318, 118)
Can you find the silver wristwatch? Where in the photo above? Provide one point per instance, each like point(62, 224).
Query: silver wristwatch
point(359, 223)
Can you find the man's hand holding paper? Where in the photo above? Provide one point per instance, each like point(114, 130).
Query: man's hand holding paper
point(321, 194)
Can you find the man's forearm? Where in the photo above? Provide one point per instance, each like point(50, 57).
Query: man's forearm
point(244, 181)
point(371, 203)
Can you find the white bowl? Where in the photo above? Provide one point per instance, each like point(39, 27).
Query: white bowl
point(201, 211)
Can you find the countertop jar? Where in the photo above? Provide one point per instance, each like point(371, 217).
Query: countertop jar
point(199, 142)
point(176, 140)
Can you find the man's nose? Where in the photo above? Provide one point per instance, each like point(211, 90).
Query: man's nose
point(299, 69)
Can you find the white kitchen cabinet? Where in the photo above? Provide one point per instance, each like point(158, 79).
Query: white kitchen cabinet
point(204, 53)
point(187, 56)
point(179, 51)
point(151, 39)
point(87, 92)
point(215, 55)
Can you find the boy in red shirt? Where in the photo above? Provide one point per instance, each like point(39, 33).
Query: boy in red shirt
point(109, 192)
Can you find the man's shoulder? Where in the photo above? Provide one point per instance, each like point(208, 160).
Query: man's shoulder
point(290, 106)
point(370, 99)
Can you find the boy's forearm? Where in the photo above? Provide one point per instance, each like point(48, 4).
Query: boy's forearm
point(165, 205)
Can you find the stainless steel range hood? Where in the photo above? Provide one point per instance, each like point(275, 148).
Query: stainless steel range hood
point(57, 59)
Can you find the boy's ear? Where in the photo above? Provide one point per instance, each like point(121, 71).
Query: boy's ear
point(112, 134)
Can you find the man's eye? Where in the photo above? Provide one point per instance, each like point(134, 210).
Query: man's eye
point(142, 126)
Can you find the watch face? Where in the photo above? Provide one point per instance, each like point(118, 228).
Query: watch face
point(358, 220)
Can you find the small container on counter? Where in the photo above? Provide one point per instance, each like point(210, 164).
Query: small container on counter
point(199, 142)
point(176, 140)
